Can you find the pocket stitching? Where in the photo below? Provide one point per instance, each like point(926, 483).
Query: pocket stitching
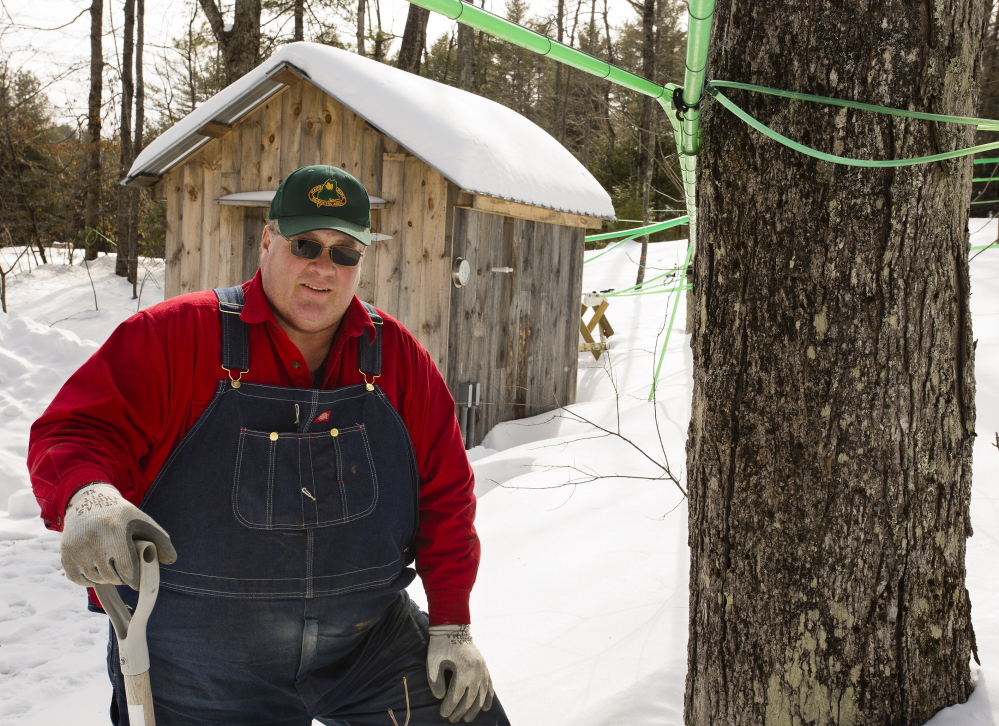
point(272, 457)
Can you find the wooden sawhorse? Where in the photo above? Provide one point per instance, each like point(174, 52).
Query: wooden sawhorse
point(599, 321)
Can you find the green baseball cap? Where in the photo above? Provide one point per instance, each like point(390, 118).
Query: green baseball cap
point(322, 197)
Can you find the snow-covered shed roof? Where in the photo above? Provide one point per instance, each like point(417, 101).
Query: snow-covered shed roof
point(477, 144)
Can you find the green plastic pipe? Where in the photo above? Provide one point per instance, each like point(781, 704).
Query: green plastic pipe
point(632, 234)
point(865, 163)
point(699, 17)
point(686, 131)
point(645, 283)
point(657, 291)
point(518, 35)
point(688, 166)
point(982, 124)
point(672, 319)
point(650, 229)
point(611, 247)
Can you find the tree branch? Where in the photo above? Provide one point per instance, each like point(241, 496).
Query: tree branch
point(214, 16)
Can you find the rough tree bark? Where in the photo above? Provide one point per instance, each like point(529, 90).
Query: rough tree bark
point(92, 171)
point(414, 39)
point(829, 454)
point(299, 12)
point(240, 45)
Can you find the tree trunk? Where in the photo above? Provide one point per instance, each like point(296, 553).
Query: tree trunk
point(606, 115)
point(560, 71)
point(381, 36)
point(140, 122)
point(92, 172)
point(360, 27)
point(299, 19)
point(125, 156)
point(829, 454)
point(465, 60)
point(240, 46)
point(414, 39)
point(646, 132)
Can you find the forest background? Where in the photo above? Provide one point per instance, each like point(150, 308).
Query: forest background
point(60, 163)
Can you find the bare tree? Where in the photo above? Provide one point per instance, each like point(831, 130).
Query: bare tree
point(465, 58)
point(299, 19)
point(360, 27)
point(414, 39)
point(829, 454)
point(561, 71)
point(140, 121)
point(647, 127)
point(92, 171)
point(238, 42)
point(379, 36)
point(126, 155)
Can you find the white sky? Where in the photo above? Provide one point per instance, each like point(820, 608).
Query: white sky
point(29, 38)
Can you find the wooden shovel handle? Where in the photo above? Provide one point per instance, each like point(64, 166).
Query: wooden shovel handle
point(140, 700)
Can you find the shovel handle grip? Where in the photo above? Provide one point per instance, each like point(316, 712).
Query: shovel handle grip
point(140, 700)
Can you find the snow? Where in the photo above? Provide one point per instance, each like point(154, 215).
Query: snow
point(478, 144)
point(581, 603)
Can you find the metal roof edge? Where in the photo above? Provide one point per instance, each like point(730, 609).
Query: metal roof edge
point(191, 141)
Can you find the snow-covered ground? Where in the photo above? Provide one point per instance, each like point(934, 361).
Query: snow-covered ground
point(581, 602)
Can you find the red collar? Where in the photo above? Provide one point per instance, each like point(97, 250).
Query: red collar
point(257, 309)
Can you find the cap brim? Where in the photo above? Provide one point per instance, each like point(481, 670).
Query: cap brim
point(290, 226)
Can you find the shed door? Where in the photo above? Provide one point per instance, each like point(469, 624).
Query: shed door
point(515, 333)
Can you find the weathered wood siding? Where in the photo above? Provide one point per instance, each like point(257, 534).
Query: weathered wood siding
point(515, 333)
point(409, 276)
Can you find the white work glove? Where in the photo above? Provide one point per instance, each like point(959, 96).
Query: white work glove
point(451, 649)
point(97, 536)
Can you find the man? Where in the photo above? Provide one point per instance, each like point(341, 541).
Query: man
point(300, 448)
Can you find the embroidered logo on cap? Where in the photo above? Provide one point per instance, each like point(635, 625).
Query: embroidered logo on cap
point(324, 416)
point(320, 195)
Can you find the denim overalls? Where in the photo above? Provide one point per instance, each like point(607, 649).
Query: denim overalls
point(293, 513)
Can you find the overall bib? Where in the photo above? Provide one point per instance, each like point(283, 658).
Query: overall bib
point(293, 513)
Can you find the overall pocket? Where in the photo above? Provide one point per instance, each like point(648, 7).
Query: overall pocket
point(296, 481)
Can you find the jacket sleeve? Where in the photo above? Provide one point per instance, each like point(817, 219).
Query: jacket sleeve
point(102, 422)
point(447, 547)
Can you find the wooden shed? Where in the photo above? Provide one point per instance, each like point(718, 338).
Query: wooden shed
point(480, 214)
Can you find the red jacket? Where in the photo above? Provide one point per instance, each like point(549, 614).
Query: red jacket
point(120, 415)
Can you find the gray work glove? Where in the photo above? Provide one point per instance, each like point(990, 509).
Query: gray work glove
point(97, 536)
point(451, 649)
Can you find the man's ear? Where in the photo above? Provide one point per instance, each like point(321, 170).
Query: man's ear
point(265, 242)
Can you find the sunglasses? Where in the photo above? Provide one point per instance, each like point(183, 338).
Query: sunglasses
point(308, 249)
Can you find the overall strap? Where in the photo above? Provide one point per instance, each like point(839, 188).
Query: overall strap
point(369, 352)
point(235, 333)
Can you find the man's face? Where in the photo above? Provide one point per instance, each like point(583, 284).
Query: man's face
point(309, 297)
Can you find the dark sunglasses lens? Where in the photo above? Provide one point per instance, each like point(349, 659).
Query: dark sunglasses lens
point(345, 256)
point(307, 249)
